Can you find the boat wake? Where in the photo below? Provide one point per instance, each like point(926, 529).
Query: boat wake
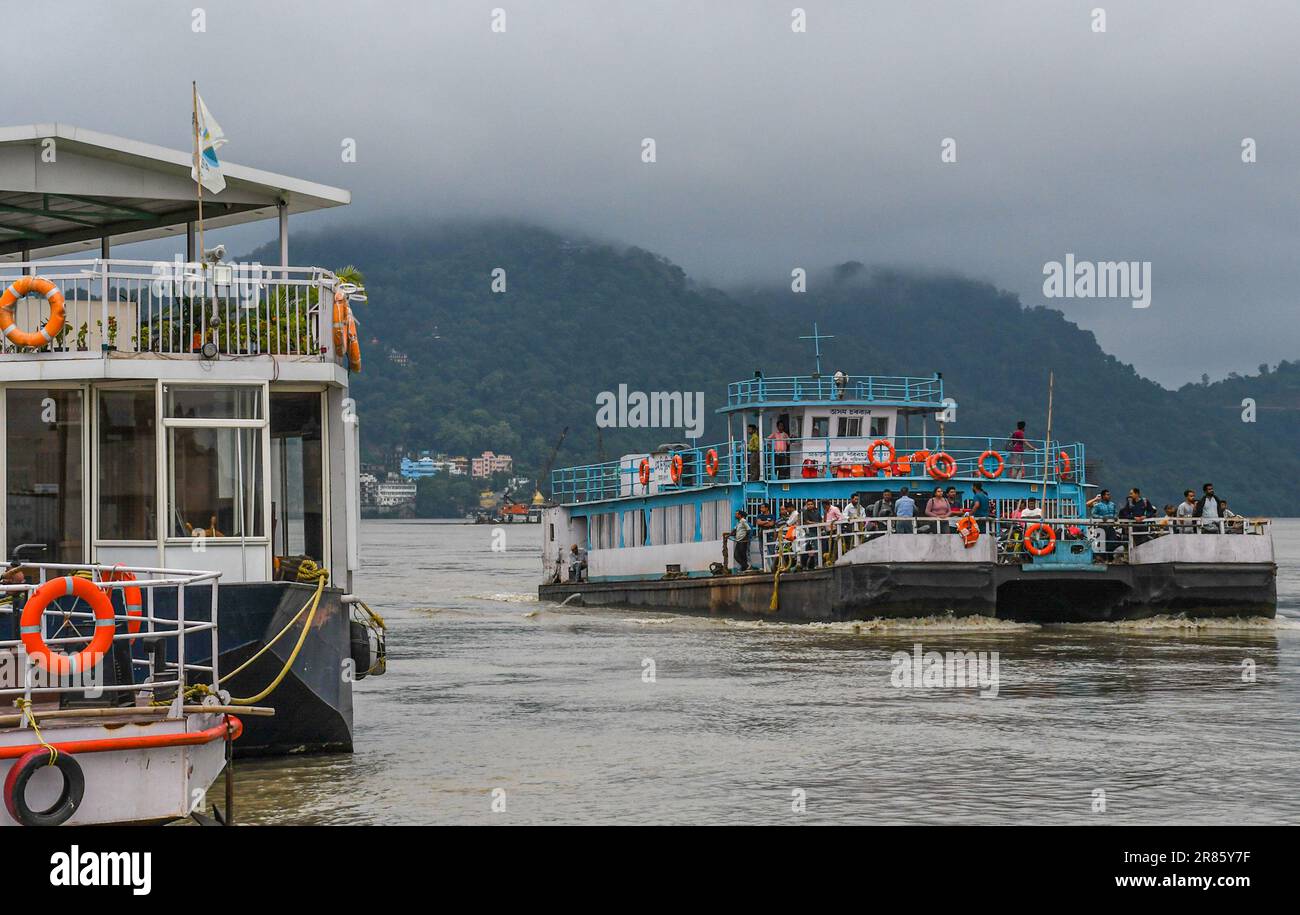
point(1166, 624)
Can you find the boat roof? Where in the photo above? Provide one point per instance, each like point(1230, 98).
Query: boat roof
point(906, 393)
point(95, 185)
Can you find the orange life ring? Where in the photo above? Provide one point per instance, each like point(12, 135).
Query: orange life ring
point(645, 472)
point(132, 597)
point(675, 468)
point(969, 530)
point(29, 625)
point(711, 462)
point(342, 312)
point(984, 472)
point(354, 345)
point(1064, 469)
point(1045, 548)
point(871, 453)
point(941, 457)
point(25, 286)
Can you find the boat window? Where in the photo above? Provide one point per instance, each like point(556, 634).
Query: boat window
point(216, 482)
point(849, 427)
point(879, 426)
point(43, 496)
point(297, 480)
point(127, 481)
point(821, 427)
point(213, 402)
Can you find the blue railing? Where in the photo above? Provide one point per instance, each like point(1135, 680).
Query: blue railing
point(881, 389)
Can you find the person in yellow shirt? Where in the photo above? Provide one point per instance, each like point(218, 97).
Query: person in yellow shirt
point(752, 447)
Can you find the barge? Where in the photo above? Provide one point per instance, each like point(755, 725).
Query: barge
point(655, 530)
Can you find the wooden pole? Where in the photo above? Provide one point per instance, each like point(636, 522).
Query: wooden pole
point(1047, 444)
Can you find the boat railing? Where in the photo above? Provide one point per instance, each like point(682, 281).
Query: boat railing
point(891, 389)
point(612, 479)
point(814, 544)
point(170, 308)
point(160, 646)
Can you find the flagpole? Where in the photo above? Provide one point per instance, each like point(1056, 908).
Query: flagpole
point(1047, 445)
point(198, 170)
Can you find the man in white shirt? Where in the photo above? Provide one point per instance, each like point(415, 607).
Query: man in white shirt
point(1032, 512)
point(1186, 510)
point(854, 517)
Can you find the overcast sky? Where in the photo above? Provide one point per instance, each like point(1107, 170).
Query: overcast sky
point(775, 149)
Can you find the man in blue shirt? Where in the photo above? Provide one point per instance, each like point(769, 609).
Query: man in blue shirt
point(1103, 509)
point(982, 508)
point(904, 507)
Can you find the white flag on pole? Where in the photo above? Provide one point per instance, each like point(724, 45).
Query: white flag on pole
point(210, 139)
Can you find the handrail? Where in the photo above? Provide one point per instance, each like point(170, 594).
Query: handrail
point(905, 389)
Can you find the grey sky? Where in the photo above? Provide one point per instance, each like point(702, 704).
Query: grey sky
point(775, 149)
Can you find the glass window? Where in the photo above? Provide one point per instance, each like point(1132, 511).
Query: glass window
point(849, 426)
point(297, 481)
point(213, 402)
point(127, 465)
point(44, 491)
point(216, 482)
point(879, 426)
point(821, 427)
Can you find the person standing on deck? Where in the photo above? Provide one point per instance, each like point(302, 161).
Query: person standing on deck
point(781, 450)
point(940, 509)
point(1136, 508)
point(983, 506)
point(904, 507)
point(1186, 511)
point(1103, 509)
point(766, 523)
point(740, 536)
point(1207, 509)
point(854, 515)
point(1017, 444)
point(882, 508)
point(832, 515)
point(752, 447)
point(812, 519)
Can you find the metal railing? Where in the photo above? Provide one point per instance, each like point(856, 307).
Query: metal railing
point(171, 308)
point(612, 479)
point(891, 389)
point(161, 675)
point(814, 545)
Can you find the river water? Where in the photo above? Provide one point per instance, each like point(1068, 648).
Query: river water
point(744, 722)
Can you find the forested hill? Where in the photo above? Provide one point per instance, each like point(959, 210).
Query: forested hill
point(509, 370)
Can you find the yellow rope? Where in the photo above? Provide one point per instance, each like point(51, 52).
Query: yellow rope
point(26, 706)
point(306, 572)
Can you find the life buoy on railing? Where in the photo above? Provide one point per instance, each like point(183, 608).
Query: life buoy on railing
point(354, 345)
point(29, 625)
point(1034, 548)
point(876, 463)
point(711, 462)
point(69, 799)
point(20, 288)
point(132, 598)
point(941, 473)
point(1064, 469)
point(969, 530)
point(342, 312)
point(645, 472)
point(675, 468)
point(983, 468)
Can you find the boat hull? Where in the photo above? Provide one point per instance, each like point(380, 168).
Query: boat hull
point(905, 590)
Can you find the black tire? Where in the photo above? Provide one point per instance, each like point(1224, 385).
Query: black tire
point(15, 788)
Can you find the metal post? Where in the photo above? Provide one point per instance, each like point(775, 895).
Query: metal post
point(26, 258)
point(283, 207)
point(189, 242)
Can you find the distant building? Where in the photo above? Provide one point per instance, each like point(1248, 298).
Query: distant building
point(459, 466)
point(395, 495)
point(369, 489)
point(420, 467)
point(398, 357)
point(488, 464)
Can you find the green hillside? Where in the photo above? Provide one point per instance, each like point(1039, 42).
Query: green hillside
point(508, 371)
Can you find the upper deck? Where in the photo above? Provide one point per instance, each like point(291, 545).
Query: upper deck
point(898, 391)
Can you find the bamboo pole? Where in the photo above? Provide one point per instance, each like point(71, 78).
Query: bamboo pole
point(1047, 444)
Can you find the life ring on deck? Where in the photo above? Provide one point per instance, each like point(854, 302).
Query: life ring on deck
point(69, 799)
point(645, 472)
point(20, 288)
point(876, 463)
point(675, 468)
point(984, 471)
point(969, 530)
point(1064, 469)
point(1034, 548)
point(342, 311)
point(941, 457)
point(132, 597)
point(29, 625)
point(711, 462)
point(354, 345)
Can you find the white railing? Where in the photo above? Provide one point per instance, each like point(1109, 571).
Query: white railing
point(161, 675)
point(816, 544)
point(171, 308)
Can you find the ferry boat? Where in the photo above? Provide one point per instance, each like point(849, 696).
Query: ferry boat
point(192, 413)
point(652, 530)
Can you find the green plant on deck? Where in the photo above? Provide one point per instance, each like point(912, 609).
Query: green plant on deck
point(81, 337)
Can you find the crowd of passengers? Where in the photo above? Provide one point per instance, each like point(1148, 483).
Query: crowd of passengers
point(813, 533)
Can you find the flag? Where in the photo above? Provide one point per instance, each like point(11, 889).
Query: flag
point(210, 139)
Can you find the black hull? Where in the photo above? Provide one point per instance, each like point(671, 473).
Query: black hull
point(907, 590)
point(313, 703)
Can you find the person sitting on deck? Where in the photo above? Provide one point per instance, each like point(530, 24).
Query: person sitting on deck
point(1016, 444)
point(1169, 523)
point(577, 564)
point(1207, 509)
point(1186, 511)
point(781, 450)
point(740, 537)
point(940, 509)
point(752, 447)
point(1103, 509)
point(904, 508)
point(1230, 526)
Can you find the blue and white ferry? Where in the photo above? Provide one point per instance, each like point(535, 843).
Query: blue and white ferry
point(654, 529)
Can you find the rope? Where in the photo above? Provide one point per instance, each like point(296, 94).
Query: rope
point(26, 706)
point(307, 571)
